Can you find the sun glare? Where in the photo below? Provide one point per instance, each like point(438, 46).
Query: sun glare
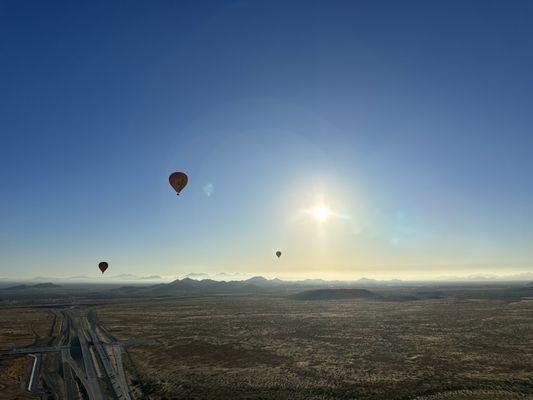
point(321, 212)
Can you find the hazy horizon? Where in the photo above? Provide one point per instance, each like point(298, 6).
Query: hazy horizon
point(223, 276)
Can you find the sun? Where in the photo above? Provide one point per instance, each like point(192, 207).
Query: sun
point(321, 212)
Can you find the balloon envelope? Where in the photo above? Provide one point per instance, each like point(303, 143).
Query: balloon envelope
point(103, 266)
point(278, 253)
point(178, 180)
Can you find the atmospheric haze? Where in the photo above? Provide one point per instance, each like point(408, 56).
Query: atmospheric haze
point(361, 140)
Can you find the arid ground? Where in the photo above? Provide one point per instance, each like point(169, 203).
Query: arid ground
point(263, 347)
point(20, 327)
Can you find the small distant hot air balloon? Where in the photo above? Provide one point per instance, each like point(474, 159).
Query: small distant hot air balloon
point(278, 253)
point(103, 266)
point(178, 180)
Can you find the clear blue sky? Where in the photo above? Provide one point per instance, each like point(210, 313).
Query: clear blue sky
point(411, 121)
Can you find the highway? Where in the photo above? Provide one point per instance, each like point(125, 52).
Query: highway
point(119, 385)
point(81, 352)
point(69, 367)
point(93, 386)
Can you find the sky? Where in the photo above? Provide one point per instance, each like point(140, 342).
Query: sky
point(409, 123)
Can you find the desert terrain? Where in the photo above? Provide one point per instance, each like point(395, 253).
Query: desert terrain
point(268, 347)
point(20, 328)
point(267, 339)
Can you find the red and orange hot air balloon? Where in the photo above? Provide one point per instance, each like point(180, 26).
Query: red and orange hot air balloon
point(103, 266)
point(178, 180)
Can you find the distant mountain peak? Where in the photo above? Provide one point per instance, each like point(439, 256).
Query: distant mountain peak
point(257, 278)
point(196, 275)
point(151, 277)
point(47, 285)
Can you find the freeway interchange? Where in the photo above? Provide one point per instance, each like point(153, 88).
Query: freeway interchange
point(80, 360)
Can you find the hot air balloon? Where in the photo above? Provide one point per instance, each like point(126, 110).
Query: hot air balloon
point(103, 266)
point(178, 180)
point(278, 253)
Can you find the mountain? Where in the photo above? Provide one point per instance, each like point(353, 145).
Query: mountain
point(196, 275)
point(151, 278)
point(367, 281)
point(334, 294)
point(188, 287)
point(132, 277)
point(18, 287)
point(123, 276)
point(191, 286)
point(261, 281)
point(47, 285)
point(232, 276)
point(97, 278)
point(525, 276)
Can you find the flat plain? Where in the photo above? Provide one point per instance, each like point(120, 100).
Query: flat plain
point(270, 347)
point(20, 327)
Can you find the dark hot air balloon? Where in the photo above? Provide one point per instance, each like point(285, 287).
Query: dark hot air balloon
point(103, 266)
point(178, 180)
point(278, 253)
